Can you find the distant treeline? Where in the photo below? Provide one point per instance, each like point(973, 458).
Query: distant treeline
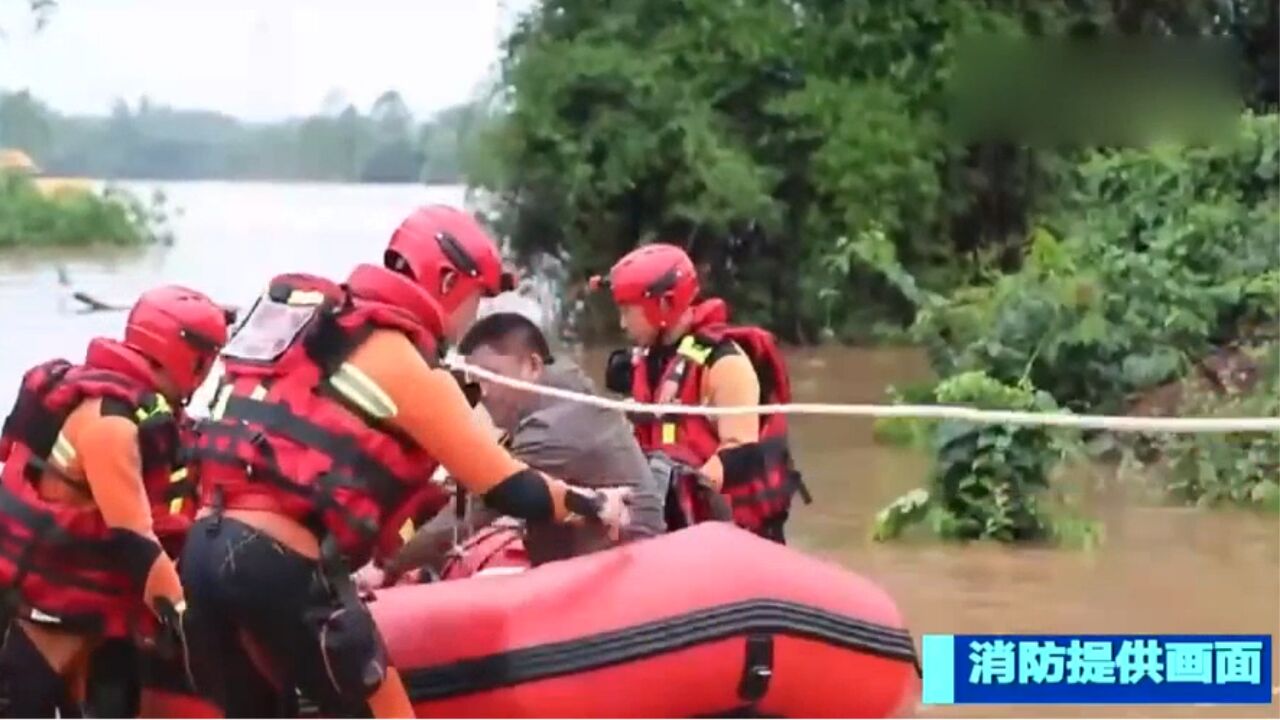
point(146, 141)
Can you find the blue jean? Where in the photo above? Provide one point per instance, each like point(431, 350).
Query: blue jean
point(241, 583)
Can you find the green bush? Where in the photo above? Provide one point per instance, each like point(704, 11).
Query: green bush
point(1238, 468)
point(912, 433)
point(990, 482)
point(31, 218)
point(1157, 255)
point(1151, 260)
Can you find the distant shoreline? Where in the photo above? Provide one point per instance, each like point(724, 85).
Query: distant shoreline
point(248, 181)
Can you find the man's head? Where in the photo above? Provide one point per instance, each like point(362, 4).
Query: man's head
point(511, 345)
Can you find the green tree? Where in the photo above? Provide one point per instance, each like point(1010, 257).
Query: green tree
point(149, 140)
point(759, 134)
point(391, 117)
point(319, 145)
point(354, 140)
point(26, 124)
point(394, 157)
point(446, 139)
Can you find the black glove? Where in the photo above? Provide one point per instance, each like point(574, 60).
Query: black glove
point(667, 469)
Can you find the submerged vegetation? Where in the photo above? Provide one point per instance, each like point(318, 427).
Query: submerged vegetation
point(1233, 469)
point(991, 482)
point(1152, 259)
point(34, 218)
point(1155, 258)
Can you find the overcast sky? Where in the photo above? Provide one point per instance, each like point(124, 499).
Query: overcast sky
point(256, 59)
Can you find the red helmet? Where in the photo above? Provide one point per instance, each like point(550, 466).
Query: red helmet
point(652, 274)
point(180, 330)
point(437, 239)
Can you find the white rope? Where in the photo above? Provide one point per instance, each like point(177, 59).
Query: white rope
point(934, 412)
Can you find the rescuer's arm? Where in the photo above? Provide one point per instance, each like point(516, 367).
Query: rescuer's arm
point(108, 450)
point(731, 382)
point(428, 405)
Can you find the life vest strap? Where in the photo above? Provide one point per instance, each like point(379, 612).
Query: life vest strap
point(46, 535)
point(117, 551)
point(319, 496)
point(327, 390)
point(337, 574)
point(265, 472)
point(181, 486)
point(35, 467)
point(151, 409)
point(796, 480)
point(693, 349)
point(12, 606)
point(328, 343)
point(16, 550)
point(360, 469)
point(327, 500)
point(42, 525)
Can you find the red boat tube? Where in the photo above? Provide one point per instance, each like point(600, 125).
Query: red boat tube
point(710, 620)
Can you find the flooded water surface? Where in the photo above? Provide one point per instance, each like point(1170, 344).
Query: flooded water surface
point(1160, 570)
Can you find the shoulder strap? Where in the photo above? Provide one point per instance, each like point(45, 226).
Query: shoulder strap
point(697, 349)
point(158, 434)
point(710, 344)
point(330, 342)
point(151, 409)
point(336, 336)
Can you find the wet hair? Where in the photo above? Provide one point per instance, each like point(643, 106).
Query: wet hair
point(509, 333)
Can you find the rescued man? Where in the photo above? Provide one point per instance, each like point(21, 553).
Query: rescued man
point(585, 445)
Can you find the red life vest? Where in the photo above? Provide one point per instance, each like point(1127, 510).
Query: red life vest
point(60, 562)
point(759, 502)
point(296, 430)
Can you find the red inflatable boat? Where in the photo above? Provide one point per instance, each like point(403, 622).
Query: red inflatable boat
point(710, 620)
point(707, 621)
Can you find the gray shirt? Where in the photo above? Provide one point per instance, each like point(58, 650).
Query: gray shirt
point(580, 444)
point(589, 447)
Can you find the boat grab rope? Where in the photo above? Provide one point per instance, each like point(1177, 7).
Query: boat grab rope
point(931, 412)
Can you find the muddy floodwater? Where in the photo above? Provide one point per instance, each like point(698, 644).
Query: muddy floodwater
point(1160, 570)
